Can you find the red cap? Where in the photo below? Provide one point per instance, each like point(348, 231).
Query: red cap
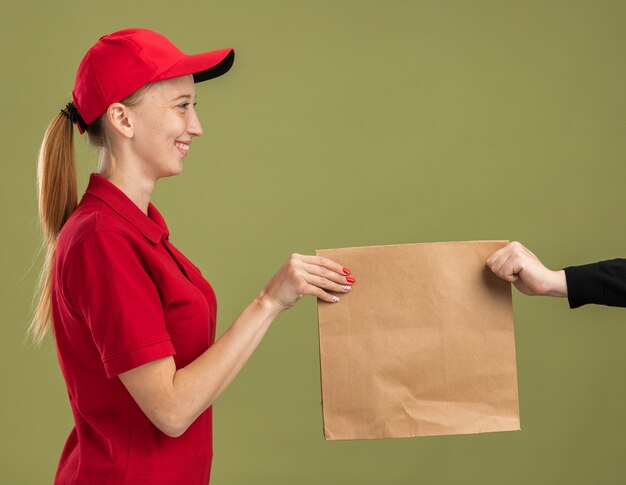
point(118, 64)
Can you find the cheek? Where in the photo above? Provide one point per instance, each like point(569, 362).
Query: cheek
point(153, 135)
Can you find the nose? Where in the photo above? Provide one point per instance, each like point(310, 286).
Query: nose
point(194, 127)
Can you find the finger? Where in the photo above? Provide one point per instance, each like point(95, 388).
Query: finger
point(321, 294)
point(498, 255)
point(322, 282)
point(499, 262)
point(513, 247)
point(325, 262)
point(511, 268)
point(327, 273)
point(516, 248)
point(511, 278)
point(502, 268)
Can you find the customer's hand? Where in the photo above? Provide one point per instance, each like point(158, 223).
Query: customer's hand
point(306, 275)
point(518, 265)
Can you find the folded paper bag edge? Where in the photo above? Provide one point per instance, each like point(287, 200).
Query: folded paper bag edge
point(506, 241)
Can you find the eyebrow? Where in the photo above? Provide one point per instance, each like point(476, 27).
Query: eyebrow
point(183, 96)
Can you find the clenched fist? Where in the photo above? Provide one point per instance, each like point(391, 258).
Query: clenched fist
point(518, 265)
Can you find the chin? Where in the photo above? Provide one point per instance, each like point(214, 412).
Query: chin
point(170, 170)
point(176, 171)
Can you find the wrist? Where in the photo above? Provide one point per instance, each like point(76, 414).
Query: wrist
point(558, 286)
point(268, 305)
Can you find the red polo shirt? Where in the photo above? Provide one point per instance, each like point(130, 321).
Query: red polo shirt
point(122, 296)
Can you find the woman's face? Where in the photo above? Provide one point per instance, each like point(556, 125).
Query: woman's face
point(164, 124)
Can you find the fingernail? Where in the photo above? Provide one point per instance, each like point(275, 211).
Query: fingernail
point(335, 298)
point(346, 271)
point(350, 279)
point(346, 287)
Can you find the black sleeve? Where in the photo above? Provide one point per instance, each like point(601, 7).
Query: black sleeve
point(603, 283)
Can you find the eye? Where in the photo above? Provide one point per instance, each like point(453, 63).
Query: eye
point(184, 105)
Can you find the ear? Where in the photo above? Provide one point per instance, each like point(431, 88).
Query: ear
point(121, 120)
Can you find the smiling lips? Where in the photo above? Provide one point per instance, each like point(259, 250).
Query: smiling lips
point(182, 147)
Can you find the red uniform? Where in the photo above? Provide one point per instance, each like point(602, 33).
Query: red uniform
point(122, 296)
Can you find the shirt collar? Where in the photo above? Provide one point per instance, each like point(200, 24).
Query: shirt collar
point(152, 226)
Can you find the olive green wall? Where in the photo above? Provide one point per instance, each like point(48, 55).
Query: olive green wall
point(348, 124)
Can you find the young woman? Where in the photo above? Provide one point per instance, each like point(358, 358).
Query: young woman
point(602, 282)
point(133, 319)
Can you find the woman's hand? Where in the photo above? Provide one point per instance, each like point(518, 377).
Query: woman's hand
point(306, 275)
point(518, 265)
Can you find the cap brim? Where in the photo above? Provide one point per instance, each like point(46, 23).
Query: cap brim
point(207, 65)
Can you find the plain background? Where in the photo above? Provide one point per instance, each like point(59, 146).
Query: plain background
point(346, 123)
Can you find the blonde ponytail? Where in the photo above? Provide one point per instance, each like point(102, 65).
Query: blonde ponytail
point(56, 191)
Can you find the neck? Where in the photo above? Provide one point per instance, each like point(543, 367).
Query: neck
point(134, 184)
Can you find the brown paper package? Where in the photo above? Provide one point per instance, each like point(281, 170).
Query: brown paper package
point(423, 344)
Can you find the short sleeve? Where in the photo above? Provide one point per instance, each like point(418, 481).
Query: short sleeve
point(107, 283)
